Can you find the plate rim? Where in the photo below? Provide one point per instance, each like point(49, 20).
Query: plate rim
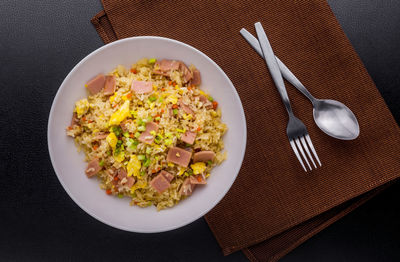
point(77, 201)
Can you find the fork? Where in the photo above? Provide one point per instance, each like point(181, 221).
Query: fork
point(296, 130)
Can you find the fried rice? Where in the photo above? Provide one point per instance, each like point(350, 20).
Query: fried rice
point(109, 126)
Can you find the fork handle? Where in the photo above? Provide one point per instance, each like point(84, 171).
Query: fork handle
point(273, 67)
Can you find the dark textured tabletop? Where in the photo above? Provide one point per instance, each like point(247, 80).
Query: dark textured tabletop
point(40, 42)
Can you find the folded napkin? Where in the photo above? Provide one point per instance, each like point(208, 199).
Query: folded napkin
point(273, 206)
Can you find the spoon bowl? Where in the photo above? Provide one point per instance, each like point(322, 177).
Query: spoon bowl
point(335, 119)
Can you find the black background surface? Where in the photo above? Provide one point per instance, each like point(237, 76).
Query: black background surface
point(40, 42)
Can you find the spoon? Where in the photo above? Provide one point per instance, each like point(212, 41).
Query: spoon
point(332, 117)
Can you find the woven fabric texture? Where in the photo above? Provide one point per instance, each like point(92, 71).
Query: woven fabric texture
point(274, 205)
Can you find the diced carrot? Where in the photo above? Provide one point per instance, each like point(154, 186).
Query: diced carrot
point(199, 178)
point(174, 106)
point(133, 70)
point(116, 178)
point(95, 146)
point(163, 89)
point(131, 135)
point(174, 83)
point(189, 88)
point(153, 171)
point(90, 121)
point(84, 118)
point(108, 192)
point(70, 128)
point(198, 129)
point(114, 106)
point(162, 110)
point(170, 83)
point(129, 95)
point(215, 105)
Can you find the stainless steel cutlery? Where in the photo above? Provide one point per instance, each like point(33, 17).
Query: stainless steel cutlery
point(332, 117)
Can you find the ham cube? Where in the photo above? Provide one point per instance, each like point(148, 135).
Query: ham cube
point(205, 102)
point(121, 173)
point(109, 87)
point(141, 87)
point(160, 183)
point(188, 137)
point(96, 84)
point(164, 67)
point(185, 108)
point(146, 136)
point(203, 156)
point(186, 73)
point(196, 80)
point(186, 188)
point(167, 175)
point(130, 181)
point(93, 167)
point(179, 156)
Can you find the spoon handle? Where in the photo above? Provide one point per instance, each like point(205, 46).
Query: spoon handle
point(273, 67)
point(286, 73)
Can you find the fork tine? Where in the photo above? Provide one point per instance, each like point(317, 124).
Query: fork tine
point(302, 152)
point(303, 142)
point(310, 144)
point(292, 144)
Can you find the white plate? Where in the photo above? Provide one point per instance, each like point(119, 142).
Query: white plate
point(69, 165)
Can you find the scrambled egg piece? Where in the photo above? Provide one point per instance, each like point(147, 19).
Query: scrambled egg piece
point(122, 113)
point(120, 157)
point(81, 107)
point(112, 98)
point(172, 99)
point(134, 166)
point(181, 171)
point(112, 140)
point(198, 168)
point(139, 184)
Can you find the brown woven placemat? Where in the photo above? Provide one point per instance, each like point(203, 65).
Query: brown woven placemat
point(274, 206)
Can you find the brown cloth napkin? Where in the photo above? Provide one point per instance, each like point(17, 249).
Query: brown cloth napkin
point(274, 206)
